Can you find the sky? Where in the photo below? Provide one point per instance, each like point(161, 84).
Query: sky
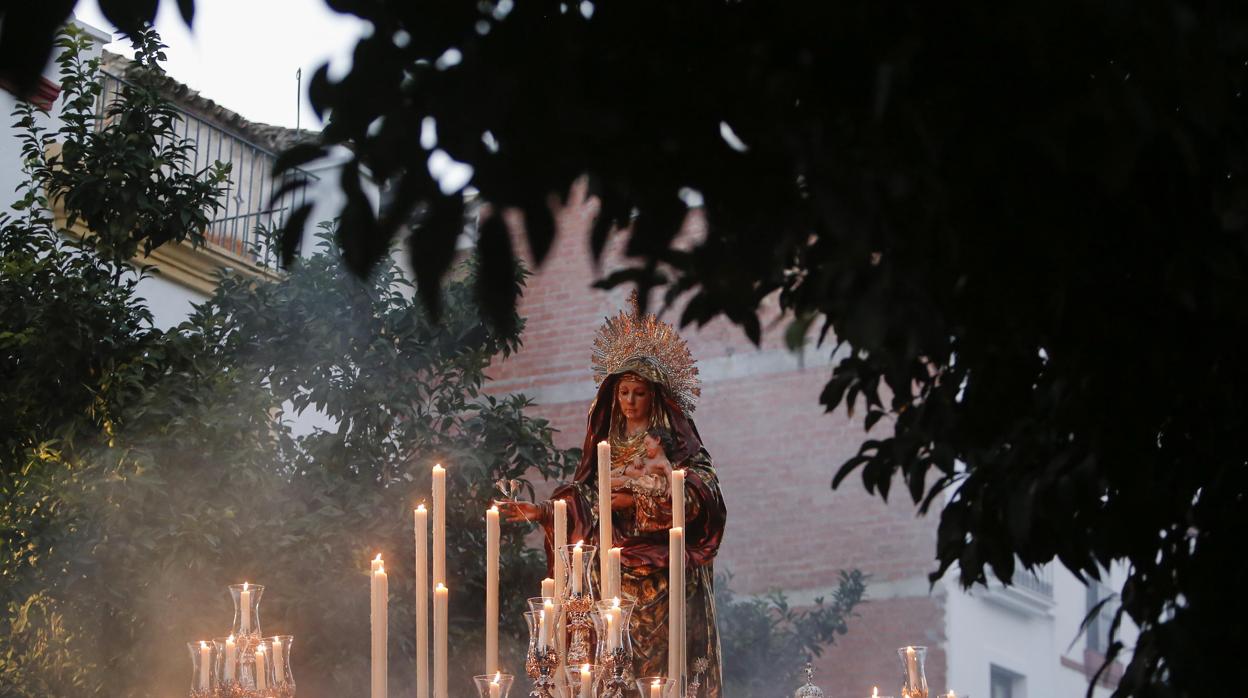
point(243, 54)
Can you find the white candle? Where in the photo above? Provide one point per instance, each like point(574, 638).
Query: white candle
point(380, 618)
point(560, 585)
point(231, 658)
point(912, 667)
point(496, 687)
point(875, 692)
point(656, 689)
point(441, 598)
point(951, 694)
point(604, 505)
point(587, 678)
point(547, 621)
point(439, 525)
point(676, 605)
point(422, 601)
point(578, 565)
point(612, 628)
point(262, 682)
point(279, 662)
point(491, 590)
point(205, 666)
point(678, 498)
point(561, 540)
point(548, 588)
point(615, 629)
point(613, 573)
point(244, 600)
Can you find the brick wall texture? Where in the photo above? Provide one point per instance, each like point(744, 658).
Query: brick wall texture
point(776, 452)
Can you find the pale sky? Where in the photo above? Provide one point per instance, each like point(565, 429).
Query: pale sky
point(243, 54)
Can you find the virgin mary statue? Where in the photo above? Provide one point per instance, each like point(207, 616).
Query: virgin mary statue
point(647, 389)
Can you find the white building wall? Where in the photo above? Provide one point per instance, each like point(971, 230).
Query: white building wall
point(1025, 633)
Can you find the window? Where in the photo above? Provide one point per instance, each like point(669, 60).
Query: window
point(1003, 683)
point(1099, 623)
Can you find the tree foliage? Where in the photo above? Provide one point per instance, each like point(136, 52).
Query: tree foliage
point(767, 643)
point(144, 470)
point(1027, 223)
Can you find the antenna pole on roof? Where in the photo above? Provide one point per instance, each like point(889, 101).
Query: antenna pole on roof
point(298, 96)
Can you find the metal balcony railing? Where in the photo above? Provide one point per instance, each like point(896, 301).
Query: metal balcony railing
point(1038, 581)
point(247, 203)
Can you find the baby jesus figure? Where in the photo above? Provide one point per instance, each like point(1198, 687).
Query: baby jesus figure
point(648, 475)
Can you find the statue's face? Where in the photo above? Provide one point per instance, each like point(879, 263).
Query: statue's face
point(634, 396)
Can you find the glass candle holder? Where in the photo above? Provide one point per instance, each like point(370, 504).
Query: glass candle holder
point(246, 628)
point(615, 645)
point(227, 657)
point(203, 668)
point(542, 658)
point(496, 685)
point(578, 605)
point(283, 685)
point(657, 687)
point(913, 676)
point(583, 680)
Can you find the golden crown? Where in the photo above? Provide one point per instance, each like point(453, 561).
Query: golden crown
point(648, 346)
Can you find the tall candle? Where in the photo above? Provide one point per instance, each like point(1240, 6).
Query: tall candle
point(231, 658)
point(548, 588)
point(422, 601)
point(205, 666)
point(578, 566)
point(262, 681)
point(615, 630)
point(440, 602)
point(380, 618)
point(656, 689)
point(678, 498)
point(279, 662)
point(676, 605)
point(560, 584)
point(547, 623)
point(604, 505)
point(912, 667)
point(613, 573)
point(439, 525)
point(612, 629)
point(543, 629)
point(491, 590)
point(587, 679)
point(561, 539)
point(244, 600)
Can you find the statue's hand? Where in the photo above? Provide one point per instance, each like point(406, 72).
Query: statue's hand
point(520, 512)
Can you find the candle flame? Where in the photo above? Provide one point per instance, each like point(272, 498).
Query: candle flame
point(420, 507)
point(441, 587)
point(615, 603)
point(657, 683)
point(203, 645)
point(584, 668)
point(875, 691)
point(378, 558)
point(494, 508)
point(438, 466)
point(579, 543)
point(277, 642)
point(230, 638)
point(244, 586)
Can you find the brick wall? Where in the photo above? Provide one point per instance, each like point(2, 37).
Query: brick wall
point(776, 452)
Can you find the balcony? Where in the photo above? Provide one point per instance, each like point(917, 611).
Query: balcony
point(1030, 592)
point(247, 203)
